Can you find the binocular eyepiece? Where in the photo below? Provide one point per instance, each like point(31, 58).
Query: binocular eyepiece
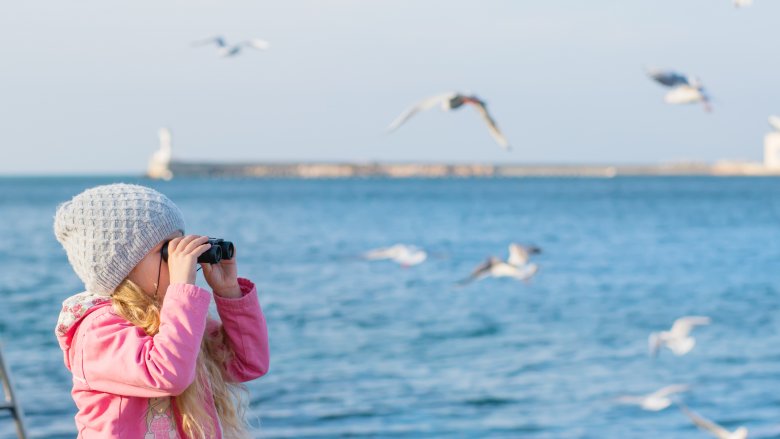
point(220, 249)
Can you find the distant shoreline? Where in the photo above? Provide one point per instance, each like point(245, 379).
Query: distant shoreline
point(335, 170)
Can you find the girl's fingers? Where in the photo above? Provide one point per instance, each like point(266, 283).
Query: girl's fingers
point(195, 243)
point(202, 249)
point(173, 243)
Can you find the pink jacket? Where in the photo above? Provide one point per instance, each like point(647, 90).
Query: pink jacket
point(123, 379)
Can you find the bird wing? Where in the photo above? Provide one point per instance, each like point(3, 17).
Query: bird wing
point(705, 424)
point(518, 255)
point(480, 271)
point(497, 135)
point(670, 390)
point(256, 43)
point(668, 78)
point(774, 122)
point(683, 326)
point(219, 41)
point(425, 104)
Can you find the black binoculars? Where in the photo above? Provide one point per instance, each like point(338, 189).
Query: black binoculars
point(220, 249)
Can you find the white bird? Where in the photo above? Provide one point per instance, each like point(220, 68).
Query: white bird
point(402, 254)
point(516, 265)
point(678, 338)
point(656, 401)
point(742, 3)
point(453, 101)
point(685, 89)
point(774, 122)
point(711, 427)
point(226, 50)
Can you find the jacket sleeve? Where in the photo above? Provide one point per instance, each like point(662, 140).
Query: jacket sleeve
point(245, 333)
point(120, 358)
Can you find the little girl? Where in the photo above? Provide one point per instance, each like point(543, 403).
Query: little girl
point(147, 360)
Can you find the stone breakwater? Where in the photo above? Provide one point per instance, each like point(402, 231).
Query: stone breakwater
point(439, 170)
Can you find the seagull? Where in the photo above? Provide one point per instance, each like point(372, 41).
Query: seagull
point(774, 122)
point(225, 50)
point(742, 3)
point(453, 101)
point(656, 401)
point(520, 254)
point(685, 89)
point(402, 254)
point(677, 339)
point(516, 265)
point(716, 430)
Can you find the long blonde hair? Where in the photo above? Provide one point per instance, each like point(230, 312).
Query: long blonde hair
point(143, 310)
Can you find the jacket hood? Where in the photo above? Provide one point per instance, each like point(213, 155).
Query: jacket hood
point(74, 309)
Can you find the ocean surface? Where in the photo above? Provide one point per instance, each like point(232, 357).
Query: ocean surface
point(371, 349)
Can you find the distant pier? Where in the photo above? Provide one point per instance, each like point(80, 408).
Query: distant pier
point(441, 170)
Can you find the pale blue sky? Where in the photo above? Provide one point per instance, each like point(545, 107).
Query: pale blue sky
point(86, 85)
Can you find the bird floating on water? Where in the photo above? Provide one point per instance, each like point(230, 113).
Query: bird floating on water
point(402, 254)
point(685, 89)
point(227, 50)
point(516, 266)
point(453, 101)
point(713, 428)
point(656, 401)
point(678, 338)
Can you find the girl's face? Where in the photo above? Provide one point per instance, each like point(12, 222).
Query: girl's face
point(146, 272)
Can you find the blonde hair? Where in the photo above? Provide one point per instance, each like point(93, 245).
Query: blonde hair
point(143, 310)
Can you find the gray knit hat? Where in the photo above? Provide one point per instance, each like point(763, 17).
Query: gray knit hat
point(107, 230)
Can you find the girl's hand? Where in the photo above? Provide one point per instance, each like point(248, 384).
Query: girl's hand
point(183, 255)
point(223, 277)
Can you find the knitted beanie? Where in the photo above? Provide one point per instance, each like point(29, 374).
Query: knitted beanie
point(107, 230)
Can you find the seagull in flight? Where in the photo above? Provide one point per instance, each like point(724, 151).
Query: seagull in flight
point(678, 338)
point(742, 3)
point(656, 401)
point(516, 266)
point(453, 101)
point(774, 122)
point(685, 89)
point(228, 50)
point(402, 254)
point(713, 428)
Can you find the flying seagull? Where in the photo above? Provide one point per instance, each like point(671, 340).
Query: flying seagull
point(677, 339)
point(685, 89)
point(516, 266)
point(742, 3)
point(656, 401)
point(453, 101)
point(227, 50)
point(713, 428)
point(402, 254)
point(774, 122)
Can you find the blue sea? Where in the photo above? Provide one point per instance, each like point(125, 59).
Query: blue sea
point(371, 349)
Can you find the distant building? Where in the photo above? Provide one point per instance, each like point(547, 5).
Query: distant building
point(160, 163)
point(772, 150)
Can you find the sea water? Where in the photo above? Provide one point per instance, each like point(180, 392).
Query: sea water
point(371, 349)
